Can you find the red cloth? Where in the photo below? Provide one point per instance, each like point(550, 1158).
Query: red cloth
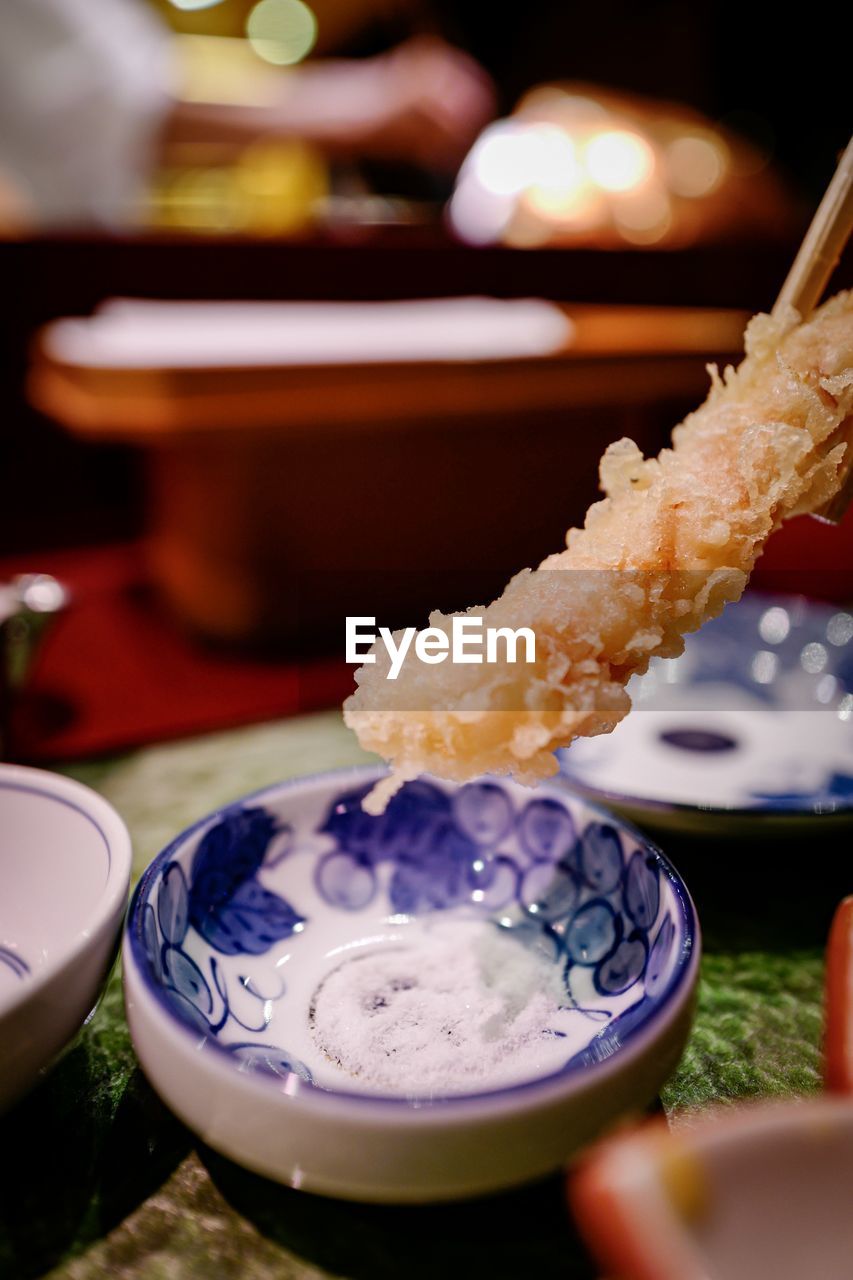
point(116, 671)
point(811, 558)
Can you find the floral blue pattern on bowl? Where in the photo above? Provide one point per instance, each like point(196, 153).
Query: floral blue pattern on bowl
point(755, 718)
point(236, 923)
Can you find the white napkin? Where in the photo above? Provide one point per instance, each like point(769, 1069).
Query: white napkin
point(129, 333)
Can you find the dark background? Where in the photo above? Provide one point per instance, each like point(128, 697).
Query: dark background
point(779, 77)
point(780, 80)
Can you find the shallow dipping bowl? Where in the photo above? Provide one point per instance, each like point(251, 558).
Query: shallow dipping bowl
point(235, 929)
point(64, 876)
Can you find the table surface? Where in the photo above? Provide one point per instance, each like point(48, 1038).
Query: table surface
point(98, 1178)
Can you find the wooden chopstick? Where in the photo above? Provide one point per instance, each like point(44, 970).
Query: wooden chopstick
point(815, 262)
point(823, 243)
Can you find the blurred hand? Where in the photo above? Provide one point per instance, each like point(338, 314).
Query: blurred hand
point(426, 104)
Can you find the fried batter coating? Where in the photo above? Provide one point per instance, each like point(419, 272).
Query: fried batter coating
point(672, 542)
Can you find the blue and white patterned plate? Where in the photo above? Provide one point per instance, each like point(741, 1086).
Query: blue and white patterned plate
point(750, 729)
point(242, 927)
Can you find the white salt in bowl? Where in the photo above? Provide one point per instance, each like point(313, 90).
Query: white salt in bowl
point(64, 876)
point(438, 1002)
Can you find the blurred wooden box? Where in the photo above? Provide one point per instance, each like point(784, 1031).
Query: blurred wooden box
point(283, 498)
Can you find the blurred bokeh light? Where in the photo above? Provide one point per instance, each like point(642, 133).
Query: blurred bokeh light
point(281, 31)
point(584, 165)
point(275, 188)
point(619, 160)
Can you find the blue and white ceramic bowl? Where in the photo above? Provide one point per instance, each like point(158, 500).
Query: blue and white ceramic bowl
point(441, 1001)
point(750, 730)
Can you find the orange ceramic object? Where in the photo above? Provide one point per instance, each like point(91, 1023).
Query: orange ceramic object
point(759, 1191)
point(838, 1043)
point(627, 1198)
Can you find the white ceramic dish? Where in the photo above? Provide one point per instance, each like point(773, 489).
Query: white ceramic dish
point(750, 731)
point(753, 1192)
point(64, 875)
point(239, 930)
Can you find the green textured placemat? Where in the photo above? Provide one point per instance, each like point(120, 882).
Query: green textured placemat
point(100, 1180)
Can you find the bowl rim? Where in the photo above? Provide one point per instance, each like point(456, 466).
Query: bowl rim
point(110, 903)
point(670, 1002)
point(753, 814)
